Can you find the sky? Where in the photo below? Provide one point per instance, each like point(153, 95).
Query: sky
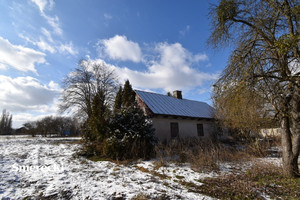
point(160, 46)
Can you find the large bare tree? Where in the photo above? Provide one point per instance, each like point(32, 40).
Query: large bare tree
point(81, 86)
point(266, 57)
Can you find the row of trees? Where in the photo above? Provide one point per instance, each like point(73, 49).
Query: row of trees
point(262, 79)
point(53, 126)
point(113, 125)
point(6, 123)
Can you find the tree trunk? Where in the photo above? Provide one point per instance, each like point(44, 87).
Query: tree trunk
point(288, 160)
point(296, 147)
point(295, 103)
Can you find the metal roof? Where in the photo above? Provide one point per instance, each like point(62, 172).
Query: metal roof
point(167, 105)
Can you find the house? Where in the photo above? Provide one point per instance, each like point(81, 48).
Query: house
point(270, 132)
point(175, 117)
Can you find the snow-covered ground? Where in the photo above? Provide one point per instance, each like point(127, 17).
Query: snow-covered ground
point(48, 167)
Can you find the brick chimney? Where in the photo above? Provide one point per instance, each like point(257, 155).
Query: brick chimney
point(177, 94)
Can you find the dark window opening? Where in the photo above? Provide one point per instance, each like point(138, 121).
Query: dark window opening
point(174, 130)
point(200, 130)
point(220, 131)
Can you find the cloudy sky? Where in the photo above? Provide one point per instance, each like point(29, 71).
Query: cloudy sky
point(158, 45)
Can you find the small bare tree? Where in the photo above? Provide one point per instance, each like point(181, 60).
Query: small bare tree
point(5, 123)
point(82, 85)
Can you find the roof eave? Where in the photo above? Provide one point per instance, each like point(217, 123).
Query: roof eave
point(183, 117)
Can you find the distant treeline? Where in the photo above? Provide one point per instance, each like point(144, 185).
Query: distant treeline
point(52, 126)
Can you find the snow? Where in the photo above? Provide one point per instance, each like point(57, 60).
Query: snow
point(49, 167)
point(182, 172)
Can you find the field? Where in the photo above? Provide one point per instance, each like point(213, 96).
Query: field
point(49, 168)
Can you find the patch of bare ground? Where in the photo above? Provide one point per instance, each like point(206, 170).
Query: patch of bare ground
point(142, 196)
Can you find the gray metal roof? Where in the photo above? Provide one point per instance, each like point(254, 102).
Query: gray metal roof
point(166, 105)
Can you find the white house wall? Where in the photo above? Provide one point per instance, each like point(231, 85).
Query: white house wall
point(187, 128)
point(268, 132)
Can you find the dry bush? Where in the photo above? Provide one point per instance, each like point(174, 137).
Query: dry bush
point(203, 155)
point(228, 187)
point(257, 149)
point(262, 147)
point(275, 140)
point(261, 170)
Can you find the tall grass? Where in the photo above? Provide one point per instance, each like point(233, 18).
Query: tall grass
point(204, 155)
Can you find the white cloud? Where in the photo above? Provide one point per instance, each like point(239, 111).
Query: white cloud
point(53, 47)
point(19, 57)
point(54, 86)
point(41, 4)
point(50, 4)
point(119, 48)
point(43, 45)
point(24, 94)
point(46, 41)
point(20, 118)
point(185, 30)
point(52, 21)
point(172, 69)
point(68, 48)
point(204, 90)
point(107, 16)
point(47, 34)
point(3, 67)
point(199, 57)
point(171, 72)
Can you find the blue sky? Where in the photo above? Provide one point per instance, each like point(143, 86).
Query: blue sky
point(158, 45)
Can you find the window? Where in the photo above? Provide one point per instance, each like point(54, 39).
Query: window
point(220, 131)
point(174, 130)
point(200, 130)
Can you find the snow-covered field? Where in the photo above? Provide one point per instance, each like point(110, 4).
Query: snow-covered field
point(48, 167)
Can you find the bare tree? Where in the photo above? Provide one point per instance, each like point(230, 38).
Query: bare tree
point(31, 128)
point(266, 37)
point(5, 123)
point(82, 85)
